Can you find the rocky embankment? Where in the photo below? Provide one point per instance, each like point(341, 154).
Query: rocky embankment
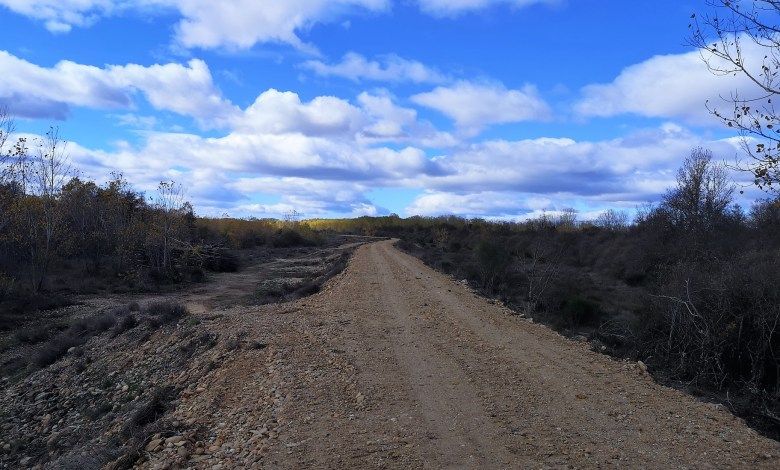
point(117, 384)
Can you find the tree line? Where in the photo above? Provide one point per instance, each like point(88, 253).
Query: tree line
point(47, 214)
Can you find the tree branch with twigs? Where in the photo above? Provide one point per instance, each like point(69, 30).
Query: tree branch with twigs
point(742, 38)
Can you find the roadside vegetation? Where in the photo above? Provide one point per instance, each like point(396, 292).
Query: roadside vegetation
point(689, 286)
point(61, 234)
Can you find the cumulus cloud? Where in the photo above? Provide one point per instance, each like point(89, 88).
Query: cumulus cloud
point(668, 86)
point(277, 134)
point(204, 23)
point(65, 83)
point(389, 68)
point(374, 118)
point(475, 105)
point(511, 206)
point(312, 196)
point(389, 122)
point(283, 112)
point(244, 23)
point(501, 177)
point(316, 156)
point(478, 204)
point(187, 90)
point(313, 175)
point(320, 174)
point(59, 16)
point(626, 167)
point(33, 91)
point(241, 23)
point(390, 119)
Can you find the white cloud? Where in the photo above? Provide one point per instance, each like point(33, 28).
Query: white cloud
point(238, 23)
point(187, 90)
point(136, 121)
point(312, 197)
point(508, 206)
point(320, 174)
point(527, 178)
point(389, 122)
point(500, 177)
point(390, 118)
point(279, 112)
point(204, 23)
point(455, 7)
point(66, 82)
point(244, 23)
point(615, 167)
point(488, 203)
point(317, 157)
point(389, 68)
point(38, 92)
point(313, 175)
point(59, 16)
point(34, 91)
point(375, 118)
point(475, 105)
point(668, 86)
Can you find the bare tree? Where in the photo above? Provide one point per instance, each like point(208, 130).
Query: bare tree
point(170, 207)
point(51, 169)
point(542, 269)
point(7, 128)
point(612, 220)
point(52, 165)
point(728, 36)
point(703, 193)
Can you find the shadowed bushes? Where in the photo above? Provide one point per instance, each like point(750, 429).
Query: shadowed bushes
point(493, 260)
point(75, 335)
point(152, 408)
point(577, 312)
point(33, 334)
point(164, 312)
point(118, 321)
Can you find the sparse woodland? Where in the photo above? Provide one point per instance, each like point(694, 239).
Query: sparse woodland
point(61, 234)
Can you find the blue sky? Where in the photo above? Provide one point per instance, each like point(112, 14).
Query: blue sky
point(489, 108)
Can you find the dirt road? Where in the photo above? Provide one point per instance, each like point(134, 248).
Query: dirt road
point(395, 365)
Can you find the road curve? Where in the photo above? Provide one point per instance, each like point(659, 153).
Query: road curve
point(394, 365)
